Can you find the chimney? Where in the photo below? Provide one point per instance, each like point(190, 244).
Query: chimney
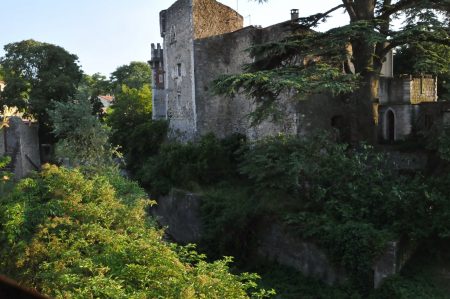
point(294, 14)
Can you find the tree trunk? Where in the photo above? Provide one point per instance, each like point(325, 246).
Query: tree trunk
point(364, 114)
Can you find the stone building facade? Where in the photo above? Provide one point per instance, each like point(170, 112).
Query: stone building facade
point(203, 39)
point(404, 106)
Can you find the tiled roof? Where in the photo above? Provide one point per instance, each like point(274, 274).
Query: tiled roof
point(108, 98)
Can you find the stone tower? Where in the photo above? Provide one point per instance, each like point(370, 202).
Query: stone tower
point(158, 92)
point(174, 67)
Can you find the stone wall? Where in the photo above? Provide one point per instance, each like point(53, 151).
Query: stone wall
point(277, 245)
point(179, 69)
point(226, 54)
point(394, 91)
point(204, 39)
point(183, 22)
point(395, 256)
point(180, 213)
point(213, 18)
point(407, 90)
point(423, 89)
point(20, 141)
point(404, 118)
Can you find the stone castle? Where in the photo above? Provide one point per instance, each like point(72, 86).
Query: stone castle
point(203, 39)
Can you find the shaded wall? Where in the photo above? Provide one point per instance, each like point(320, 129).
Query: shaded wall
point(20, 141)
point(226, 54)
point(180, 213)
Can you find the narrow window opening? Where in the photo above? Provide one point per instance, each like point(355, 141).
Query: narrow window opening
point(179, 69)
point(390, 130)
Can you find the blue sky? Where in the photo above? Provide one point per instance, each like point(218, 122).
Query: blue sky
point(105, 34)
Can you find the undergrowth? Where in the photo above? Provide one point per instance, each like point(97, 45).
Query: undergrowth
point(346, 200)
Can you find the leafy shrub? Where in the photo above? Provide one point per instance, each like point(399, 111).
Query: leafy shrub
point(189, 165)
point(83, 139)
point(347, 200)
point(5, 176)
point(133, 129)
point(404, 288)
point(71, 235)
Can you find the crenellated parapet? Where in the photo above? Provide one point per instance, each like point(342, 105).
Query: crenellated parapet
point(157, 56)
point(157, 65)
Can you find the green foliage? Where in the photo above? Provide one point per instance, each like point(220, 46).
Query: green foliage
point(36, 75)
point(71, 235)
point(132, 107)
point(134, 75)
point(346, 200)
point(132, 126)
point(5, 176)
point(290, 284)
point(405, 288)
point(96, 85)
point(82, 138)
point(2, 73)
point(424, 276)
point(206, 162)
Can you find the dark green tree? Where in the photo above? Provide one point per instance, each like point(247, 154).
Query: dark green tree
point(132, 126)
point(96, 85)
point(370, 34)
point(134, 75)
point(2, 76)
point(83, 139)
point(36, 74)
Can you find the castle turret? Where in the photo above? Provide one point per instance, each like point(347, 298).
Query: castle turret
point(158, 94)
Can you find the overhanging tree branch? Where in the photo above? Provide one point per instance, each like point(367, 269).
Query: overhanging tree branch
point(389, 10)
point(350, 9)
point(314, 20)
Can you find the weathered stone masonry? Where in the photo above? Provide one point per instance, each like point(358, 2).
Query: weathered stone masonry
point(204, 39)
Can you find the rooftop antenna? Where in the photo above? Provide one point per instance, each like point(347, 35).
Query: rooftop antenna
point(237, 5)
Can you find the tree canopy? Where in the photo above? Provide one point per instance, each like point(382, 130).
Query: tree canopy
point(36, 74)
point(371, 35)
point(96, 85)
point(133, 75)
point(83, 139)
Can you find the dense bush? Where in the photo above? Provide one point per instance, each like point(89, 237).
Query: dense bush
point(83, 139)
point(5, 176)
point(71, 235)
point(190, 165)
point(133, 129)
point(349, 201)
